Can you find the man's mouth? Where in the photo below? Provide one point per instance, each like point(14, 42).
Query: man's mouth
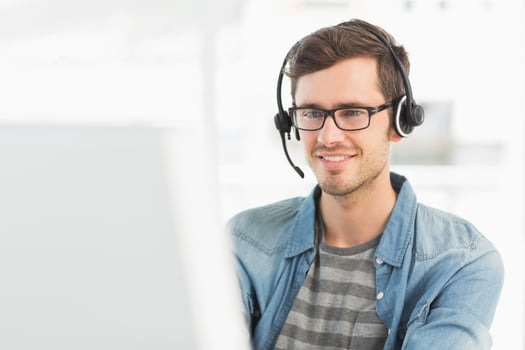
point(334, 158)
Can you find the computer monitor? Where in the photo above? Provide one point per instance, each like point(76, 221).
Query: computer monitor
point(110, 239)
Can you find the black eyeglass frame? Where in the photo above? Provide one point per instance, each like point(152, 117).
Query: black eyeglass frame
point(327, 112)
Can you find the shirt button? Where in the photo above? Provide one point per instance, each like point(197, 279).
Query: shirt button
point(379, 261)
point(380, 295)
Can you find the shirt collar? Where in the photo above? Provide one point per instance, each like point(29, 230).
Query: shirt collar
point(400, 229)
point(395, 239)
point(303, 237)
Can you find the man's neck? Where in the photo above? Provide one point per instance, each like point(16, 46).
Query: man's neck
point(359, 217)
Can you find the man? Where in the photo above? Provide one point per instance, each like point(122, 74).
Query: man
point(359, 263)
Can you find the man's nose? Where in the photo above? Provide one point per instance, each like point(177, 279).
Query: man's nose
point(330, 133)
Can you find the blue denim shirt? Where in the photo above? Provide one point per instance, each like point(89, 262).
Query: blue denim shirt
point(438, 280)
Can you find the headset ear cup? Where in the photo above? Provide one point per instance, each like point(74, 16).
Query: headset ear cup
point(283, 122)
point(417, 117)
point(400, 123)
point(407, 117)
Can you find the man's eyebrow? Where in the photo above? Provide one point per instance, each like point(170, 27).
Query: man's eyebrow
point(341, 105)
point(308, 105)
point(350, 105)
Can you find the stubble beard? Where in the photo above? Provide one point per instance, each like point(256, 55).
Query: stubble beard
point(348, 185)
point(344, 184)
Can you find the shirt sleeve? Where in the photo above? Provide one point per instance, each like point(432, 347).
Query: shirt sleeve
point(461, 315)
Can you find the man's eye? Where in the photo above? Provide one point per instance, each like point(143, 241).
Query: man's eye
point(313, 114)
point(352, 112)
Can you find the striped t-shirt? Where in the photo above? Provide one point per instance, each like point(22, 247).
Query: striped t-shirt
point(335, 307)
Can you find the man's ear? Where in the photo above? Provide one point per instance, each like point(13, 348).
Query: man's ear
point(395, 137)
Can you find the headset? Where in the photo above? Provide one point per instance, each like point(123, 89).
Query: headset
point(407, 113)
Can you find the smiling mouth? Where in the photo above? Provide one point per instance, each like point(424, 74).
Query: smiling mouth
point(334, 158)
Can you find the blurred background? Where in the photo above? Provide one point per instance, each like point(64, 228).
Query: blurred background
point(138, 62)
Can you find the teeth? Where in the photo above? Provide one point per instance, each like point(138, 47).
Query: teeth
point(334, 158)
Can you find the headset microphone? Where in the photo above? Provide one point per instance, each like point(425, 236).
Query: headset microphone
point(283, 122)
point(285, 149)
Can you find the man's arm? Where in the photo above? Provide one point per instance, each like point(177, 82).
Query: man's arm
point(461, 315)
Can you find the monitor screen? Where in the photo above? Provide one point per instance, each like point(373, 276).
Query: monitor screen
point(106, 238)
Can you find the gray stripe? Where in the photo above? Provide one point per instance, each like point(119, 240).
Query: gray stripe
point(287, 343)
point(316, 338)
point(360, 277)
point(340, 288)
point(360, 343)
point(333, 313)
point(327, 299)
point(347, 264)
point(306, 313)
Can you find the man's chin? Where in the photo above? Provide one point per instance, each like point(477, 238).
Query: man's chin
point(336, 188)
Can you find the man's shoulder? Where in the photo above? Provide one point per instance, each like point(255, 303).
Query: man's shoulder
point(439, 231)
point(268, 226)
point(266, 216)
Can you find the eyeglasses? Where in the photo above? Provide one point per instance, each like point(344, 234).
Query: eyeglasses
point(345, 118)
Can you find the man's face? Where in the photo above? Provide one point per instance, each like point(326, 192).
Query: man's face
point(345, 161)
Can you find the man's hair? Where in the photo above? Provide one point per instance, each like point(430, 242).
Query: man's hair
point(355, 38)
